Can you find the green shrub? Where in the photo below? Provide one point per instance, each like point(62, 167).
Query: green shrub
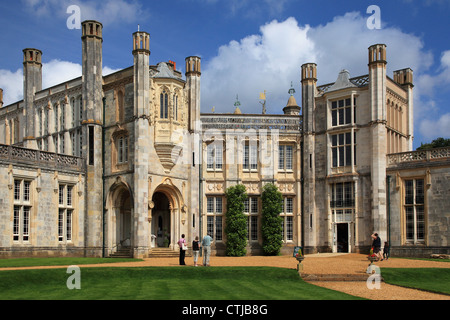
point(272, 205)
point(236, 222)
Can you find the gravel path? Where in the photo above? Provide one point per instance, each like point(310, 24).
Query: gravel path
point(319, 264)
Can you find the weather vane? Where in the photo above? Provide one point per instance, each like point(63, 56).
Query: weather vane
point(237, 103)
point(292, 90)
point(262, 96)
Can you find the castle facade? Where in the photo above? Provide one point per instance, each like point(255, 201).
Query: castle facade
point(128, 163)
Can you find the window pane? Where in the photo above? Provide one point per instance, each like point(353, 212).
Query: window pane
point(289, 205)
point(61, 195)
point(341, 157)
point(254, 202)
point(409, 215)
point(335, 157)
point(289, 154)
point(341, 139)
point(26, 191)
point(219, 229)
point(420, 218)
point(69, 196)
point(420, 196)
point(61, 225)
point(219, 205)
point(409, 192)
point(334, 118)
point(210, 205)
point(254, 157)
point(341, 116)
point(17, 184)
point(281, 158)
point(289, 228)
point(334, 140)
point(69, 225)
point(348, 102)
point(26, 223)
point(348, 155)
point(219, 155)
point(210, 156)
point(254, 222)
point(210, 226)
point(246, 157)
point(247, 205)
point(16, 223)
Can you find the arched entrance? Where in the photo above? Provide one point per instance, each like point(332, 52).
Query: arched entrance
point(119, 229)
point(168, 216)
point(161, 224)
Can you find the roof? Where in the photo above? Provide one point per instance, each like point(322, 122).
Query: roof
point(165, 72)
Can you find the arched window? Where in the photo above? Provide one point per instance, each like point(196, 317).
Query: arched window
point(164, 105)
point(122, 149)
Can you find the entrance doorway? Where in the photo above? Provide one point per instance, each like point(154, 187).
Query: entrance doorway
point(124, 221)
point(342, 237)
point(161, 224)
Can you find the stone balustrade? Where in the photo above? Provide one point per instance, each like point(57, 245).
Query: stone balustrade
point(418, 156)
point(41, 159)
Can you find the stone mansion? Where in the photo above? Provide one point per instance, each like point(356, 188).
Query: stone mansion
point(127, 162)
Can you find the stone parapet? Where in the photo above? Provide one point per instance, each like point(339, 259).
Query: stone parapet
point(41, 159)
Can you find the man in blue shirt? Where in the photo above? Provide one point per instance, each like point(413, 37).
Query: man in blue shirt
point(206, 244)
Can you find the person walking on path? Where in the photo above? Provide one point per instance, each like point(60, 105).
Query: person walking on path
point(196, 250)
point(376, 245)
point(183, 248)
point(206, 244)
point(386, 251)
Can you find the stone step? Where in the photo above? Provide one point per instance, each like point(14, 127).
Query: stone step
point(335, 277)
point(166, 253)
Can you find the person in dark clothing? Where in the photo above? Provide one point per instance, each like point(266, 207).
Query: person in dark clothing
point(196, 250)
point(376, 245)
point(386, 251)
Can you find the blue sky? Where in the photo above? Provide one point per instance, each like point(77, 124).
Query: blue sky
point(247, 46)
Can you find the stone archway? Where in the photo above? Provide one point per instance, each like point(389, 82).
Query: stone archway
point(161, 219)
point(119, 226)
point(168, 213)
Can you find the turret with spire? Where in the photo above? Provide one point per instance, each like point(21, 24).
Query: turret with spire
point(292, 107)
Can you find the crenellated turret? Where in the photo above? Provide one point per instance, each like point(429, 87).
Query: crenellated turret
point(32, 73)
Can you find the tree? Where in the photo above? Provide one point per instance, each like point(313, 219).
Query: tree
point(437, 143)
point(236, 222)
point(272, 206)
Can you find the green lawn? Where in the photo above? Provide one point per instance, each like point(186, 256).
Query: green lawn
point(429, 279)
point(40, 262)
point(165, 283)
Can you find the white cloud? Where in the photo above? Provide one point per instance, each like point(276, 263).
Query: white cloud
point(268, 61)
point(272, 59)
point(12, 85)
point(432, 129)
point(108, 12)
point(53, 73)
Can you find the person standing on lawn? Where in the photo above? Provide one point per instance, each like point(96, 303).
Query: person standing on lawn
point(206, 244)
point(196, 250)
point(182, 244)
